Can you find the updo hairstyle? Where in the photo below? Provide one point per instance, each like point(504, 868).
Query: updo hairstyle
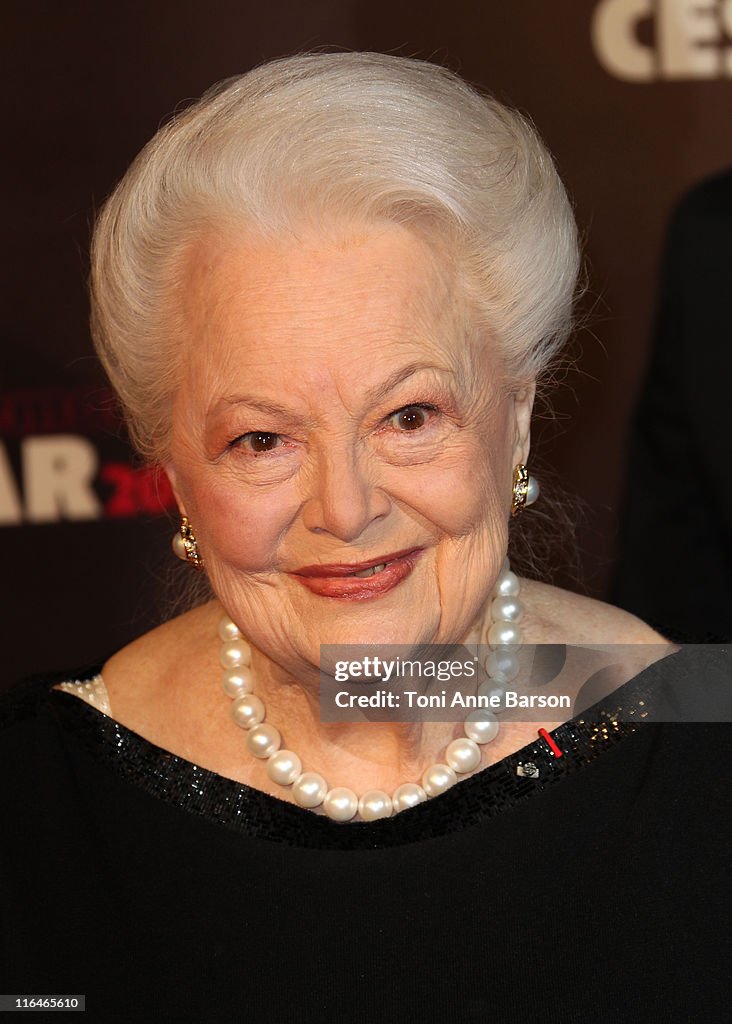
point(319, 137)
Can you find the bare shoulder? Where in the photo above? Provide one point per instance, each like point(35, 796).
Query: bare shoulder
point(554, 615)
point(140, 673)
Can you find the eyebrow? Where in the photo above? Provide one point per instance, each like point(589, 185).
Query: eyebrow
point(380, 391)
point(375, 394)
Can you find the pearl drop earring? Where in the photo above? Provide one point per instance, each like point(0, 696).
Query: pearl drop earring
point(185, 546)
point(525, 489)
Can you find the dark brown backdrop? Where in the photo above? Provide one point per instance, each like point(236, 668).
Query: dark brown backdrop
point(632, 97)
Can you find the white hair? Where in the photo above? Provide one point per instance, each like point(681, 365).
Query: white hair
point(357, 135)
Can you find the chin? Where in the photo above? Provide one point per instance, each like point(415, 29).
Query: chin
point(409, 633)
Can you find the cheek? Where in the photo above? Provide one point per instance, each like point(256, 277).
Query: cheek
point(468, 490)
point(242, 526)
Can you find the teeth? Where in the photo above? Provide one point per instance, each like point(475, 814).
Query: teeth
point(372, 571)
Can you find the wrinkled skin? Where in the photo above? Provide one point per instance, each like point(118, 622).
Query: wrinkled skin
point(302, 339)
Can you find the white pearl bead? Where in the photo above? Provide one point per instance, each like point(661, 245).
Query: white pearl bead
point(489, 689)
point(309, 789)
point(507, 585)
point(340, 804)
point(481, 726)
point(284, 767)
point(438, 778)
point(235, 653)
point(506, 609)
point(247, 711)
point(502, 665)
point(263, 740)
point(179, 548)
point(408, 795)
point(533, 490)
point(504, 634)
point(228, 630)
point(237, 681)
point(375, 804)
point(463, 756)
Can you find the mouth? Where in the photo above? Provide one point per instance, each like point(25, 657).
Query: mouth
point(359, 580)
point(359, 569)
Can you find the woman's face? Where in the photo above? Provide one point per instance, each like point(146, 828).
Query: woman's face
point(335, 411)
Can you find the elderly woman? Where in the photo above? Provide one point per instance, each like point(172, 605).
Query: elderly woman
point(325, 294)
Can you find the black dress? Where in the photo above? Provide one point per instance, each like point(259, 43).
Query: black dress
point(587, 887)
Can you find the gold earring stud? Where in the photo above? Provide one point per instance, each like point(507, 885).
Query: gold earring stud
point(185, 546)
point(525, 489)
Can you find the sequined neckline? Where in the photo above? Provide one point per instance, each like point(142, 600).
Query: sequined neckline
point(523, 775)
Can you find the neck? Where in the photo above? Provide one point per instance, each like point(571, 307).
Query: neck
point(385, 754)
point(362, 757)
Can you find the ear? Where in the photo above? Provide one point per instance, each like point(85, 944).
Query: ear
point(169, 471)
point(523, 404)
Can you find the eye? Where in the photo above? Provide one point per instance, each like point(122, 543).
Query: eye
point(411, 417)
point(258, 442)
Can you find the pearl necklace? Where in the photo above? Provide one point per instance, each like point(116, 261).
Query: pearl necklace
point(463, 755)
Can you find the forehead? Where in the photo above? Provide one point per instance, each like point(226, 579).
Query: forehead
point(337, 295)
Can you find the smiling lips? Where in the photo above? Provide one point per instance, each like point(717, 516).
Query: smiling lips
point(362, 580)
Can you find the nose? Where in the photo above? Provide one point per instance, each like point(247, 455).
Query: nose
point(342, 499)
